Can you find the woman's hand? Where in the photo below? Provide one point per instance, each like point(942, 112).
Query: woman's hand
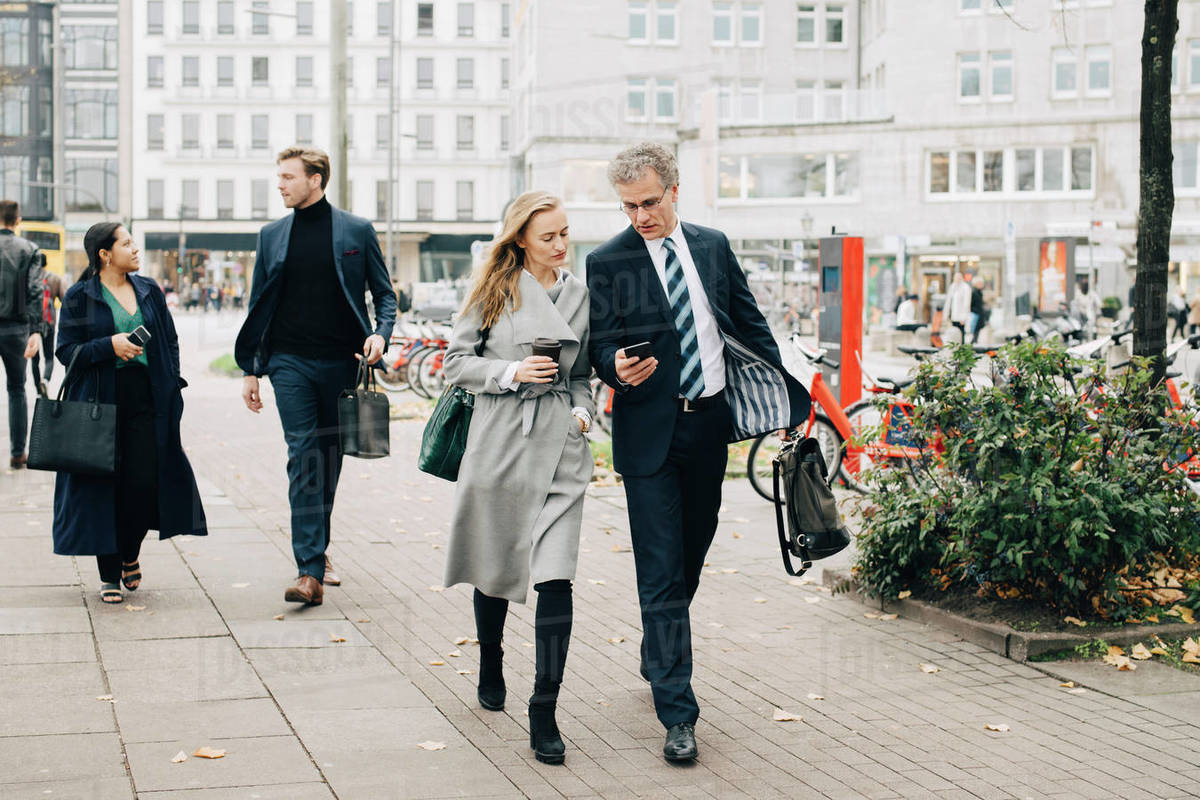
point(124, 348)
point(536, 369)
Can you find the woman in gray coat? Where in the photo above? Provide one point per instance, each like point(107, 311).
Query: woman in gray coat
point(519, 504)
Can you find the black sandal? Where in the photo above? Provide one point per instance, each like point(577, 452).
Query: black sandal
point(131, 576)
point(110, 594)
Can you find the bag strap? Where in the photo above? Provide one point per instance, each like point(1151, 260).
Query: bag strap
point(67, 375)
point(483, 337)
point(805, 562)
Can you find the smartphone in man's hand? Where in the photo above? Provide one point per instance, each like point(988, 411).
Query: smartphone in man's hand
point(140, 336)
point(640, 350)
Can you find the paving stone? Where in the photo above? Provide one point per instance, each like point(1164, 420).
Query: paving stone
point(51, 619)
point(266, 761)
point(47, 648)
point(85, 789)
point(79, 757)
point(75, 687)
point(288, 791)
point(164, 614)
point(201, 720)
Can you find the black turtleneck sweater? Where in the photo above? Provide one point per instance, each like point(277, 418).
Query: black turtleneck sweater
point(313, 318)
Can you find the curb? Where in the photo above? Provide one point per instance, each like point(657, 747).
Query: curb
point(999, 638)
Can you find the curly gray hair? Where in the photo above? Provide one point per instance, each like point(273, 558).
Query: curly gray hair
point(631, 164)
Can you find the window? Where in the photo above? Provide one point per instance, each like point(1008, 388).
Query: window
point(424, 200)
point(384, 13)
point(639, 21)
point(424, 131)
point(97, 182)
point(464, 200)
point(154, 72)
point(424, 73)
point(304, 17)
point(154, 17)
point(806, 101)
point(224, 70)
point(155, 124)
point(381, 200)
point(466, 132)
point(466, 73)
point(14, 42)
point(1194, 63)
point(190, 75)
point(189, 126)
point(260, 21)
point(833, 103)
point(993, 170)
point(504, 76)
point(970, 5)
point(666, 22)
point(225, 17)
point(635, 103)
point(260, 73)
point(1099, 71)
point(304, 129)
point(1185, 165)
point(189, 204)
point(258, 199)
point(845, 174)
point(383, 71)
point(304, 70)
point(722, 32)
point(939, 173)
point(224, 131)
point(505, 20)
point(154, 198)
point(91, 113)
point(750, 94)
point(968, 76)
point(806, 24)
point(424, 19)
point(1001, 65)
point(1176, 82)
point(1081, 169)
point(90, 46)
point(965, 172)
point(751, 24)
point(504, 132)
point(1066, 68)
point(224, 199)
point(980, 173)
point(724, 102)
point(1026, 170)
point(383, 132)
point(835, 21)
point(803, 175)
point(664, 100)
point(1053, 170)
point(259, 139)
point(191, 16)
point(466, 19)
point(14, 106)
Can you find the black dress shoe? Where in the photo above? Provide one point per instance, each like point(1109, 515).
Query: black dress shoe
point(681, 742)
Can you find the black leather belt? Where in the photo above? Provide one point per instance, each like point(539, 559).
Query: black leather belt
point(701, 403)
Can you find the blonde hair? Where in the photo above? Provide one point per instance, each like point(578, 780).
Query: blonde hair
point(496, 288)
point(316, 162)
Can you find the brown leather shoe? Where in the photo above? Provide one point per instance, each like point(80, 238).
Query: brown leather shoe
point(331, 578)
point(18, 462)
point(307, 590)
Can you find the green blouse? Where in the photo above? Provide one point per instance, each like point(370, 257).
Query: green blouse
point(126, 323)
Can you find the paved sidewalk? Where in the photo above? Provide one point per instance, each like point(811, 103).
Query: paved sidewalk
point(196, 657)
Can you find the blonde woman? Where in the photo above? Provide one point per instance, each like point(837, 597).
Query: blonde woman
point(519, 504)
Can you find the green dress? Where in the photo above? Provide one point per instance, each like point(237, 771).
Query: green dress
point(125, 323)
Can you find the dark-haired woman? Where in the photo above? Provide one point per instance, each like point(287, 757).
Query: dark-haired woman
point(154, 487)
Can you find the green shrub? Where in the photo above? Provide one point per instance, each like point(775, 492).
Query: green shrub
point(1039, 491)
point(225, 365)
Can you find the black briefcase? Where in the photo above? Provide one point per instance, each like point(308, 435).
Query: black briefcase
point(364, 417)
point(77, 436)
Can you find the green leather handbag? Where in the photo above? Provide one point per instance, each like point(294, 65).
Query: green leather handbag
point(445, 437)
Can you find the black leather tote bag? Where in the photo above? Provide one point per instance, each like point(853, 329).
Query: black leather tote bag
point(77, 436)
point(364, 417)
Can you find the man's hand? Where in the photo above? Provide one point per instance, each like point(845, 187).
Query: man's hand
point(33, 345)
point(373, 348)
point(536, 369)
point(634, 371)
point(250, 395)
point(124, 348)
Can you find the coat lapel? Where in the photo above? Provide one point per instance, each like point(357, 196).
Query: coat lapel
point(280, 250)
point(339, 235)
point(538, 316)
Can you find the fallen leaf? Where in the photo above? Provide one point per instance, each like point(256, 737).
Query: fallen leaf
point(1068, 685)
point(364, 619)
point(595, 582)
point(278, 617)
point(105, 697)
point(1152, 618)
point(998, 727)
point(432, 745)
point(526, 644)
point(812, 696)
point(436, 663)
point(454, 654)
point(461, 640)
point(1115, 650)
point(1191, 651)
point(870, 615)
point(616, 639)
point(240, 585)
point(715, 625)
point(1075, 621)
point(179, 758)
point(1077, 691)
point(1186, 614)
point(929, 669)
point(786, 716)
point(1158, 651)
point(737, 535)
point(801, 581)
point(812, 599)
point(465, 671)
point(209, 752)
point(905, 594)
point(333, 637)
point(889, 617)
point(437, 588)
point(760, 600)
point(135, 608)
point(1140, 652)
point(729, 571)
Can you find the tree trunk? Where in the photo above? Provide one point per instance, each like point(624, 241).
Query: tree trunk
point(1157, 202)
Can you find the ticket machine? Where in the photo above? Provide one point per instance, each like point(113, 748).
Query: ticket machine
point(840, 325)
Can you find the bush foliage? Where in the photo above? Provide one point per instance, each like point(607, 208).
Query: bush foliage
point(1032, 487)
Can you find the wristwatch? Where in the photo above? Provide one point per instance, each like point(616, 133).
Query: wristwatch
point(587, 422)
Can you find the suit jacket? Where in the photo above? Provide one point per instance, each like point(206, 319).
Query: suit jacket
point(628, 305)
point(359, 264)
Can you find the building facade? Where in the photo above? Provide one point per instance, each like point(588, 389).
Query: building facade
point(27, 107)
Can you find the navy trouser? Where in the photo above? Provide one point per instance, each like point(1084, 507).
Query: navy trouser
point(672, 520)
point(306, 392)
point(12, 353)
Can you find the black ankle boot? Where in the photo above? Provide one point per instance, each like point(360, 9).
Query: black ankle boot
point(491, 677)
point(544, 737)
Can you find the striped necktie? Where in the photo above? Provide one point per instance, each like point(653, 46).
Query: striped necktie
point(691, 373)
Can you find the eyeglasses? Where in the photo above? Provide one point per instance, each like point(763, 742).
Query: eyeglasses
point(647, 205)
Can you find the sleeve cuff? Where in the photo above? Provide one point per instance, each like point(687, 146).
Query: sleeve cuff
point(508, 381)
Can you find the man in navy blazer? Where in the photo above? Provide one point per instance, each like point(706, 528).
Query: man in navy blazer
point(306, 328)
point(713, 375)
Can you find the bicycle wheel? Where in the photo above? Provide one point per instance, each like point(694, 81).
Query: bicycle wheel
point(760, 462)
point(832, 445)
point(394, 376)
point(433, 379)
point(415, 364)
point(857, 465)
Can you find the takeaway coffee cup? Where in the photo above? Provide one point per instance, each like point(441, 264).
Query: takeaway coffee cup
point(547, 347)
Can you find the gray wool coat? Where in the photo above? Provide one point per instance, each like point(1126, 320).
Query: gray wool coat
point(526, 466)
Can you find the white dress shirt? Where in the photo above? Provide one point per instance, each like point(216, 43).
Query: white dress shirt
point(708, 333)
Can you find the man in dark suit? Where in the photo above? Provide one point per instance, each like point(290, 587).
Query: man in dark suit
point(714, 375)
point(306, 325)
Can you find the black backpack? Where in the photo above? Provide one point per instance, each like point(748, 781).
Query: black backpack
point(814, 528)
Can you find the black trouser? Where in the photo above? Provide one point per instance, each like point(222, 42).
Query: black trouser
point(12, 352)
point(137, 477)
point(48, 352)
point(672, 519)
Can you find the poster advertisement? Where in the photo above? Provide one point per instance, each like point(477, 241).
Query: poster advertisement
point(881, 288)
point(1052, 275)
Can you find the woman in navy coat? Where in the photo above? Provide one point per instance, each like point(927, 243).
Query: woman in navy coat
point(154, 488)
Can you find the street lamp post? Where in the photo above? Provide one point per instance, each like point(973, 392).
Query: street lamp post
point(337, 65)
point(389, 208)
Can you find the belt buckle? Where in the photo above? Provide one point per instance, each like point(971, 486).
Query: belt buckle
point(688, 408)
